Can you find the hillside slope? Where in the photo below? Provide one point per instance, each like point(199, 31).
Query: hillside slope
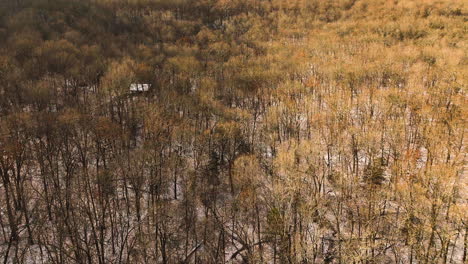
point(267, 131)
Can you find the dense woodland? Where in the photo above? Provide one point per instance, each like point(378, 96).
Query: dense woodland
point(274, 131)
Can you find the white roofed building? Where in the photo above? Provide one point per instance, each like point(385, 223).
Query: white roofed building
point(139, 87)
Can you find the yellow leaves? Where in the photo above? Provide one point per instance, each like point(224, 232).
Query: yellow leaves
point(153, 119)
point(412, 194)
point(290, 92)
point(460, 211)
point(412, 155)
point(247, 175)
point(284, 160)
point(59, 55)
point(118, 77)
point(17, 122)
point(312, 82)
point(69, 117)
point(220, 50)
point(187, 65)
point(229, 4)
point(104, 128)
point(318, 120)
point(294, 158)
point(431, 189)
point(41, 92)
point(25, 42)
point(228, 129)
point(205, 36)
point(143, 72)
point(14, 130)
point(247, 168)
point(207, 89)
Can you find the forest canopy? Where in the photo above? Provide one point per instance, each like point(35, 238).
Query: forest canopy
point(233, 131)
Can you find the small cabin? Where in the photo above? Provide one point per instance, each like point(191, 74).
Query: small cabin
point(139, 87)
